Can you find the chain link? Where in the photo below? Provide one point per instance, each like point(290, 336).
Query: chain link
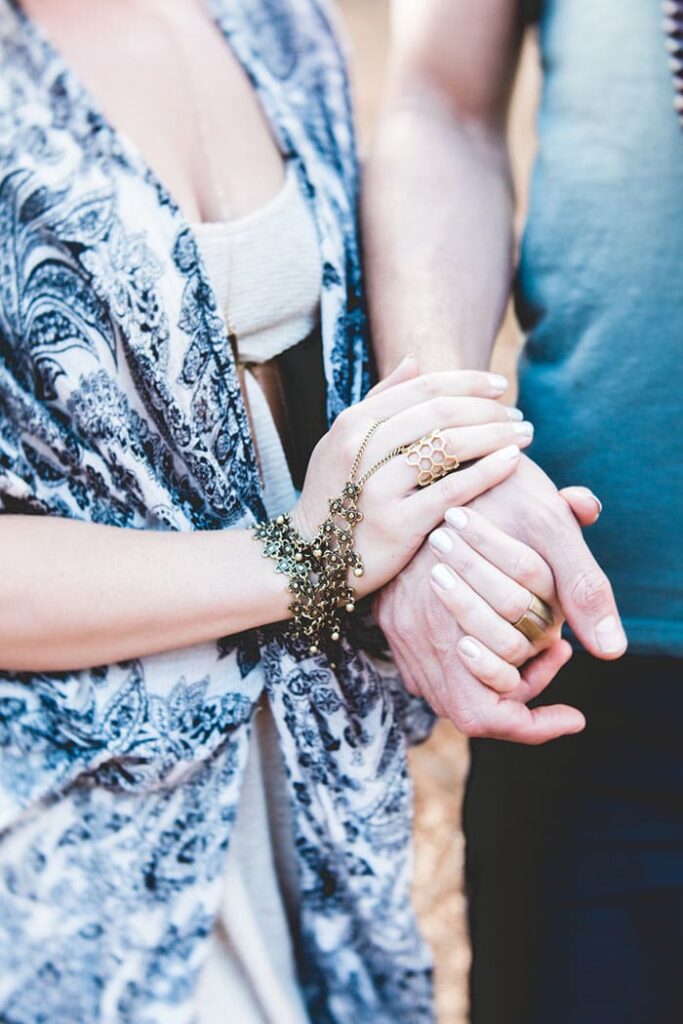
point(318, 569)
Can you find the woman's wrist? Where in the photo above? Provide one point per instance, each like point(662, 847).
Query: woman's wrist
point(153, 591)
point(252, 593)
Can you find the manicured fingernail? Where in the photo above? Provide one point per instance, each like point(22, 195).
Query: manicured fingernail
point(469, 648)
point(443, 576)
point(410, 358)
point(525, 429)
point(514, 413)
point(497, 381)
point(609, 635)
point(511, 452)
point(457, 518)
point(440, 540)
point(597, 502)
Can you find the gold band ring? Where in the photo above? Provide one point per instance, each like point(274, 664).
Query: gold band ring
point(536, 620)
point(431, 458)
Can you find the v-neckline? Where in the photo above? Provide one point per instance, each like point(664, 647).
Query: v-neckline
point(147, 175)
point(128, 146)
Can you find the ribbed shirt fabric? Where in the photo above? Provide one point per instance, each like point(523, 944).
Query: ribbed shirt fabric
point(599, 297)
point(266, 271)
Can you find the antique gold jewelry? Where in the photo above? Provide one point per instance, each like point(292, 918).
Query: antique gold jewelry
point(431, 458)
point(318, 569)
point(536, 620)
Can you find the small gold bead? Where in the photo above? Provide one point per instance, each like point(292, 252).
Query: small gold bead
point(280, 520)
point(333, 664)
point(335, 635)
point(358, 571)
point(350, 607)
point(298, 557)
point(313, 649)
point(317, 553)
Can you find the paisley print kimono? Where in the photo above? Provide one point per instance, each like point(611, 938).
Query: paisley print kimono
point(120, 404)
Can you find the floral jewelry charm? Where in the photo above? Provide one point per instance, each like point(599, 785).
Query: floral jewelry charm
point(318, 569)
point(431, 458)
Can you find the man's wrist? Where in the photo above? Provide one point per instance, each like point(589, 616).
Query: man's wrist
point(430, 358)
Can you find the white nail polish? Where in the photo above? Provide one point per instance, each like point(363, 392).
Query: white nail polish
point(597, 501)
point(443, 576)
point(525, 429)
point(469, 648)
point(497, 381)
point(514, 413)
point(609, 635)
point(457, 518)
point(440, 540)
point(511, 452)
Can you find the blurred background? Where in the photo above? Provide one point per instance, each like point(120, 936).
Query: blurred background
point(440, 766)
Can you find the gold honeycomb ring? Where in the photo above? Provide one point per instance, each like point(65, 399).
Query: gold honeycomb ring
point(431, 459)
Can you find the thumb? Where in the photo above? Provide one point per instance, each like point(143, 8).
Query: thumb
point(406, 370)
point(588, 603)
point(584, 504)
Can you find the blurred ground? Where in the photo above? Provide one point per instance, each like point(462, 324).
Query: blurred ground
point(440, 766)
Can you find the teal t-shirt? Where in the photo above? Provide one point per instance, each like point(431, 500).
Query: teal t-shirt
point(600, 296)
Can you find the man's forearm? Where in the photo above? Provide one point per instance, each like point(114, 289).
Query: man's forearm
point(438, 215)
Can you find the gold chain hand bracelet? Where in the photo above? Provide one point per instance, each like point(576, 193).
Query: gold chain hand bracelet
point(318, 570)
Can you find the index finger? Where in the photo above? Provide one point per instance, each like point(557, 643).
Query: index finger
point(510, 556)
point(584, 591)
point(510, 720)
point(388, 401)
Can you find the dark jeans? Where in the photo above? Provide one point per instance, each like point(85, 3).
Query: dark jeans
point(575, 857)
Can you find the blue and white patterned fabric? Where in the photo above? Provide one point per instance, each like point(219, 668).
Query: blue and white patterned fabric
point(120, 404)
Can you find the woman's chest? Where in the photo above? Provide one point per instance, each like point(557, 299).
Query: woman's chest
point(164, 75)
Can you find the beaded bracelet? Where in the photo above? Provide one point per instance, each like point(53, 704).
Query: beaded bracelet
point(318, 569)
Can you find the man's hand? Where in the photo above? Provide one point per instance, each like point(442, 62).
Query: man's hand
point(424, 637)
point(529, 507)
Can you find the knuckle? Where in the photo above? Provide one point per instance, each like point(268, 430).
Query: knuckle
point(344, 432)
point(404, 625)
point(514, 648)
point(350, 442)
point(504, 433)
point(548, 516)
point(344, 420)
point(526, 569)
point(538, 518)
point(590, 590)
point(428, 385)
point(503, 679)
point(453, 484)
point(442, 410)
point(476, 383)
point(462, 559)
point(513, 605)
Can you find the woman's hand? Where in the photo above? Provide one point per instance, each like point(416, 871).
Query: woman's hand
point(397, 515)
point(486, 579)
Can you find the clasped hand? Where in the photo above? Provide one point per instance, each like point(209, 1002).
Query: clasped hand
point(397, 514)
point(447, 604)
point(448, 616)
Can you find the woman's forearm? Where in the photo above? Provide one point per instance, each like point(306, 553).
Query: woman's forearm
point(74, 595)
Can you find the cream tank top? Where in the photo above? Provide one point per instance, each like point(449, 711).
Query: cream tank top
point(266, 271)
